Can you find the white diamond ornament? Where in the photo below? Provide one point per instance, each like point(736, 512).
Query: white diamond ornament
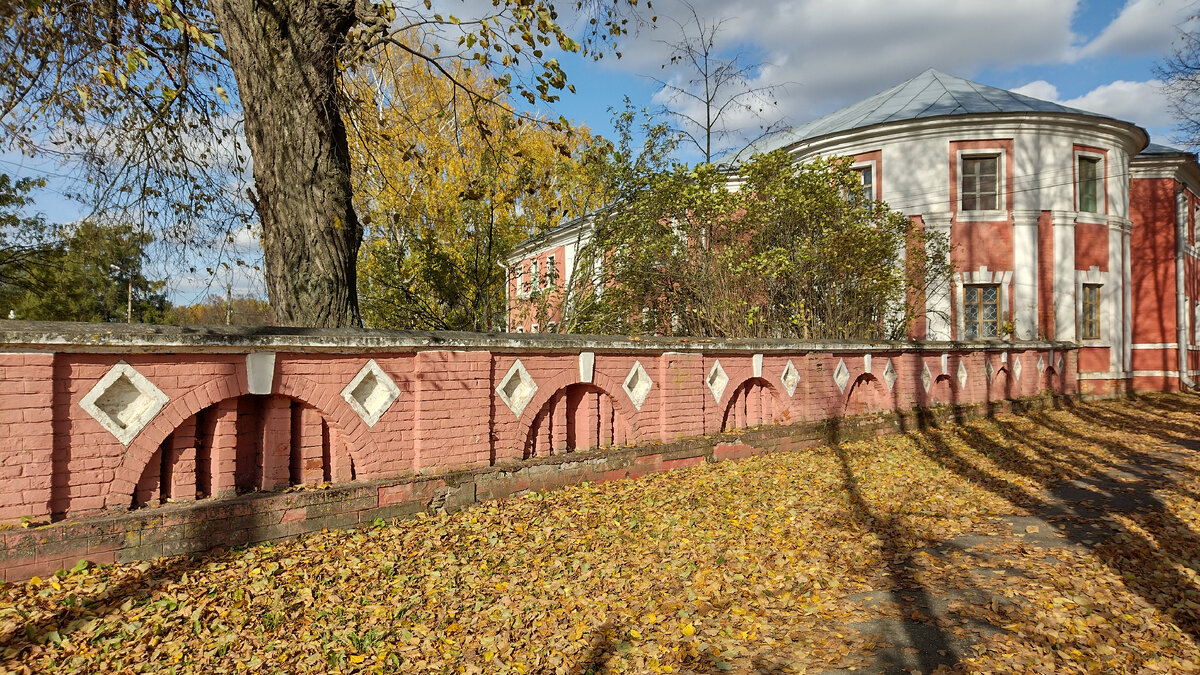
point(988, 371)
point(716, 380)
point(841, 376)
point(637, 385)
point(517, 388)
point(371, 393)
point(889, 374)
point(124, 402)
point(962, 374)
point(1017, 367)
point(790, 378)
point(1041, 364)
point(926, 377)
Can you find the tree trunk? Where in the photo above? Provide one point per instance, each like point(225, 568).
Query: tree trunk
point(284, 56)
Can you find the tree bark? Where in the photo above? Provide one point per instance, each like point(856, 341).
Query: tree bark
point(284, 56)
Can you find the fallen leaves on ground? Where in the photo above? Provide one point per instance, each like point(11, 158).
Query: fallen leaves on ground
point(783, 563)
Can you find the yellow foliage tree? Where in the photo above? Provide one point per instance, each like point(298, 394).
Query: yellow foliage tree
point(449, 182)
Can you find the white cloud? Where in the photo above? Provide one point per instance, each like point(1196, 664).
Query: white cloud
point(1038, 89)
point(1143, 103)
point(1142, 27)
point(834, 52)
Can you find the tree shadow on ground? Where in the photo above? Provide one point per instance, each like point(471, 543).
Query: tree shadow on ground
point(1150, 555)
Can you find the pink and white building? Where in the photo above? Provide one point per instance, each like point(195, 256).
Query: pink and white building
point(1065, 225)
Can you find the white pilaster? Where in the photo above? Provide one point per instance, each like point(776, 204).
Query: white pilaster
point(1025, 263)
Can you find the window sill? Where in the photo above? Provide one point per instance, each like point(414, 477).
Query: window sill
point(992, 216)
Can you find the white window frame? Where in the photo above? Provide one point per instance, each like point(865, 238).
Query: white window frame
point(870, 165)
point(1102, 193)
point(982, 276)
point(1001, 213)
point(551, 272)
point(535, 283)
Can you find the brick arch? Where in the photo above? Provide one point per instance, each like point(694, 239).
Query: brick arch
point(865, 394)
point(578, 416)
point(1002, 381)
point(731, 395)
point(558, 385)
point(943, 389)
point(181, 407)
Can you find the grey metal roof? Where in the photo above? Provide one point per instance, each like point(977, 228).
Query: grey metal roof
point(1157, 149)
point(930, 94)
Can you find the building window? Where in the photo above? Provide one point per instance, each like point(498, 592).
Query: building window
point(551, 272)
point(522, 281)
point(1090, 317)
point(980, 183)
point(866, 176)
point(981, 311)
point(534, 281)
point(520, 329)
point(1088, 175)
point(533, 328)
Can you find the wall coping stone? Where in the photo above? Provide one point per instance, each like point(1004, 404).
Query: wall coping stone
point(114, 338)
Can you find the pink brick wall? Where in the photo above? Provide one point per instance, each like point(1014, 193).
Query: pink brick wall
point(213, 438)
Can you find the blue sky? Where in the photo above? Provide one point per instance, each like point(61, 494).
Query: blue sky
point(825, 54)
point(1095, 55)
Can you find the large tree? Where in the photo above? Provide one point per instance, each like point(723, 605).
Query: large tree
point(90, 272)
point(140, 91)
point(448, 185)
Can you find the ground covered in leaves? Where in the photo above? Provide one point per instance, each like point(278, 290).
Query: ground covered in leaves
point(1061, 541)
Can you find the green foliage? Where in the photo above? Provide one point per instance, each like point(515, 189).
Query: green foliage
point(779, 250)
point(86, 276)
point(22, 237)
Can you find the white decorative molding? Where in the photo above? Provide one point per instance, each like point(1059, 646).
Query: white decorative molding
point(988, 370)
point(587, 366)
point(945, 363)
point(716, 380)
point(260, 372)
point(866, 363)
point(1016, 366)
point(926, 377)
point(637, 384)
point(1041, 364)
point(517, 388)
point(889, 374)
point(962, 374)
point(841, 376)
point(790, 378)
point(756, 364)
point(371, 392)
point(124, 402)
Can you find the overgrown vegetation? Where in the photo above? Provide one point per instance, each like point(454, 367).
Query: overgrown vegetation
point(791, 251)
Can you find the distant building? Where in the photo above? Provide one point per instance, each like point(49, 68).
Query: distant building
point(1065, 225)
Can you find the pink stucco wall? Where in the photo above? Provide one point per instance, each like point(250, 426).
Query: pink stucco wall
point(213, 438)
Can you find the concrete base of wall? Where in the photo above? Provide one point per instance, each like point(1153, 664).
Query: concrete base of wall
point(187, 528)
